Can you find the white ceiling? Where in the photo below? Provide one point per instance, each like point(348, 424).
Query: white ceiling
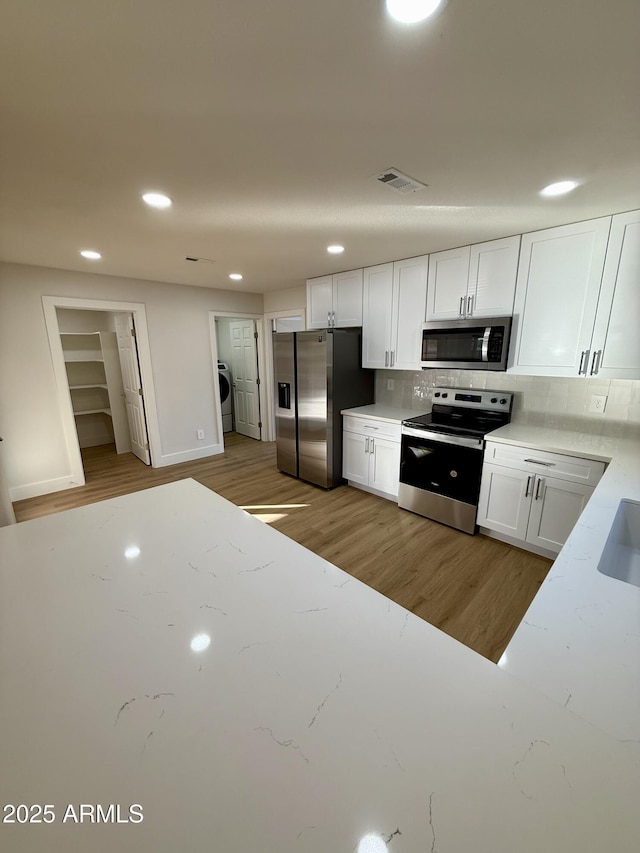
point(265, 122)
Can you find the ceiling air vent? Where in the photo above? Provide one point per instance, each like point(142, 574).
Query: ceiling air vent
point(400, 182)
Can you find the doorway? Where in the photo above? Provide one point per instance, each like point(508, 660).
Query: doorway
point(237, 356)
point(102, 363)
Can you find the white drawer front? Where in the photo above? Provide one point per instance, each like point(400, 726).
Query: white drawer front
point(372, 427)
point(572, 468)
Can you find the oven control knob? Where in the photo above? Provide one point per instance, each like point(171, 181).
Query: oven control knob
point(444, 395)
point(503, 401)
point(494, 399)
point(437, 394)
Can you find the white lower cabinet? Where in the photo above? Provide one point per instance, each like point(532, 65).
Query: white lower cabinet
point(371, 455)
point(534, 509)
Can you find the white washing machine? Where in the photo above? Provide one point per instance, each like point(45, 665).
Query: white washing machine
point(224, 378)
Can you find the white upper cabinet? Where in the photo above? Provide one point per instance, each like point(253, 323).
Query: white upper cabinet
point(473, 281)
point(393, 312)
point(559, 277)
point(319, 302)
point(335, 300)
point(408, 312)
point(493, 269)
point(448, 280)
point(615, 350)
point(377, 305)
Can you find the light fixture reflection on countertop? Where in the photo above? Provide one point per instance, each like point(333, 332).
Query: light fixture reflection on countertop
point(559, 188)
point(200, 642)
point(91, 254)
point(132, 552)
point(412, 11)
point(372, 843)
point(159, 200)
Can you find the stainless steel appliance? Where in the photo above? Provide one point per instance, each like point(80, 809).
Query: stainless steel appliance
point(441, 454)
point(317, 374)
point(472, 344)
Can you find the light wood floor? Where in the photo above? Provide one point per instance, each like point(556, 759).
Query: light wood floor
point(474, 588)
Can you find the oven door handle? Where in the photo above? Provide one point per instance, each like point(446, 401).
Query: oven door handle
point(461, 441)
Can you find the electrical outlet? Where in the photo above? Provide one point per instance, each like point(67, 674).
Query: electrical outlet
point(199, 433)
point(390, 384)
point(598, 403)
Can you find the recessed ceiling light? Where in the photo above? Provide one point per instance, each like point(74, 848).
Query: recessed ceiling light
point(158, 200)
point(412, 11)
point(335, 249)
point(91, 254)
point(560, 188)
point(235, 276)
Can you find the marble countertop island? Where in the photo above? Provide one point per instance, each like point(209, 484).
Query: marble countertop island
point(579, 641)
point(167, 651)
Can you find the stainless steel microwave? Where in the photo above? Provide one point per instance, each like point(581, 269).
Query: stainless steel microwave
point(471, 344)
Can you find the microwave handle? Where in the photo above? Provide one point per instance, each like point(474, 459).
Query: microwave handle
point(485, 343)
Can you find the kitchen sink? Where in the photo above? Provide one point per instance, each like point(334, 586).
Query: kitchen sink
point(621, 556)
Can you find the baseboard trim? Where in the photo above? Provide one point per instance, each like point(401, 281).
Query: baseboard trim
point(44, 487)
point(189, 455)
point(377, 492)
point(518, 543)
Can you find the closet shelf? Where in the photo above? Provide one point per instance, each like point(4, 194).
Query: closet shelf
point(93, 412)
point(92, 385)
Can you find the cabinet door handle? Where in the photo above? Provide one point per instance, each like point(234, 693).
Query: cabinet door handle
point(538, 484)
point(371, 445)
point(386, 358)
point(366, 444)
point(461, 310)
point(539, 462)
point(527, 491)
point(469, 306)
point(393, 357)
point(595, 362)
point(584, 361)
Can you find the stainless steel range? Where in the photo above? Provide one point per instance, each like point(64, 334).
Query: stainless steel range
point(441, 458)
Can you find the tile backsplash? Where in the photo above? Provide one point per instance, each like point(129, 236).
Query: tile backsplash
point(557, 402)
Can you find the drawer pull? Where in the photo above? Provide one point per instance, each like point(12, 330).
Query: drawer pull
point(365, 426)
point(538, 462)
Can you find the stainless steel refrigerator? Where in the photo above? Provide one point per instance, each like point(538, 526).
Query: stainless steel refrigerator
point(317, 374)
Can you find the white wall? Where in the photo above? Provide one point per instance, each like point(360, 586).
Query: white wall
point(178, 324)
point(76, 320)
point(285, 300)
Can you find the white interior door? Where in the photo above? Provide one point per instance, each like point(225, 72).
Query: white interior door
point(244, 373)
point(133, 397)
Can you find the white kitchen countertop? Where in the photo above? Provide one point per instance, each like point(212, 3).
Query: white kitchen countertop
point(379, 412)
point(319, 713)
point(579, 641)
